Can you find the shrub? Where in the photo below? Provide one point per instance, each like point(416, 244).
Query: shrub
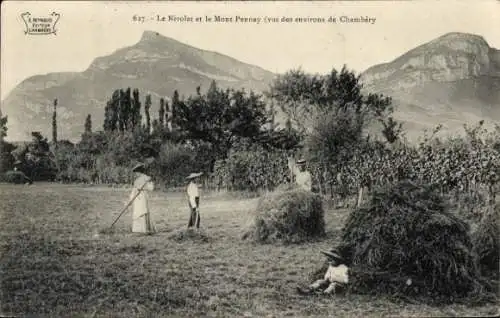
point(406, 242)
point(292, 216)
point(16, 177)
point(174, 163)
point(6, 157)
point(252, 169)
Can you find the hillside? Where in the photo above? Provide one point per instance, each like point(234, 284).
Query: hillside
point(454, 79)
point(156, 64)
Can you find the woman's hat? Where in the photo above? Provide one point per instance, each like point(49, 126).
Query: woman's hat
point(301, 161)
point(194, 175)
point(138, 167)
point(333, 255)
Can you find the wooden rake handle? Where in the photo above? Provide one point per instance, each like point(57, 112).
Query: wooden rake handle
point(129, 203)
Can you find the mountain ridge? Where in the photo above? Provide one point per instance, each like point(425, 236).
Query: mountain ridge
point(452, 79)
point(155, 64)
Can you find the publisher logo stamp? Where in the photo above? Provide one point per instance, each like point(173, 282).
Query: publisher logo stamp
point(39, 25)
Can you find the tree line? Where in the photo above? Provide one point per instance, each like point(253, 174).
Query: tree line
point(233, 136)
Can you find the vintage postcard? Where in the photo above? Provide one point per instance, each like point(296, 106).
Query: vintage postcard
point(249, 158)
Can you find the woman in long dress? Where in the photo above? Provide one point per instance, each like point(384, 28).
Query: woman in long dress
point(141, 216)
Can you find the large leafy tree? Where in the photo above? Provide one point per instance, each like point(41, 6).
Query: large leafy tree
point(303, 97)
point(38, 160)
point(220, 116)
point(334, 114)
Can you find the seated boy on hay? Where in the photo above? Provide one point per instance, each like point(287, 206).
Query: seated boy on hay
point(335, 276)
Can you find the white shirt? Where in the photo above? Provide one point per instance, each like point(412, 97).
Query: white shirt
point(337, 274)
point(303, 179)
point(193, 192)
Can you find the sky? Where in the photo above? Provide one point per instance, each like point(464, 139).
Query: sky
point(87, 30)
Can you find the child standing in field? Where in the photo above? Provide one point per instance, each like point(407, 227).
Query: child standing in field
point(193, 194)
point(141, 216)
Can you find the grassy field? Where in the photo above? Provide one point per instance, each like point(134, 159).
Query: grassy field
point(53, 264)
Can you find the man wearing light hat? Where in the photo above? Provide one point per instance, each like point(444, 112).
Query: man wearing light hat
point(303, 177)
point(193, 194)
point(141, 216)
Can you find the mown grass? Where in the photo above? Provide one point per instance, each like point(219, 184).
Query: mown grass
point(52, 263)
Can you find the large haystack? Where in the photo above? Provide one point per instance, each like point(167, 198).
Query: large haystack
point(289, 216)
point(486, 241)
point(405, 242)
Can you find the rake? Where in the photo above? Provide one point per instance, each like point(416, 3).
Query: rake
point(126, 207)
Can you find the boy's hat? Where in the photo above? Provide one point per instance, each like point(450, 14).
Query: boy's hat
point(333, 255)
point(194, 175)
point(138, 167)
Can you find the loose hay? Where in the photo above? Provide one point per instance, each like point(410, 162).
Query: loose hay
point(486, 240)
point(107, 230)
point(194, 235)
point(406, 243)
point(287, 216)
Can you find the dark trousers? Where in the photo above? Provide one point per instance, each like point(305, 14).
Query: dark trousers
point(194, 213)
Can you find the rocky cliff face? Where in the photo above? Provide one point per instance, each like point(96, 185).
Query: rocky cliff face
point(452, 57)
point(453, 80)
point(155, 64)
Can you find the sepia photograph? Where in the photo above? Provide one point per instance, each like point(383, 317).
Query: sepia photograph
point(250, 159)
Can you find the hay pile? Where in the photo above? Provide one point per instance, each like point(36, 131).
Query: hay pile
point(406, 243)
point(287, 216)
point(486, 240)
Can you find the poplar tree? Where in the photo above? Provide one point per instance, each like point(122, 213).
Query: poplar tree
point(88, 124)
point(168, 117)
point(54, 123)
point(136, 109)
point(175, 106)
point(147, 106)
point(161, 112)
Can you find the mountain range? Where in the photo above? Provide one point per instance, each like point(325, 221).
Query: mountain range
point(454, 79)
